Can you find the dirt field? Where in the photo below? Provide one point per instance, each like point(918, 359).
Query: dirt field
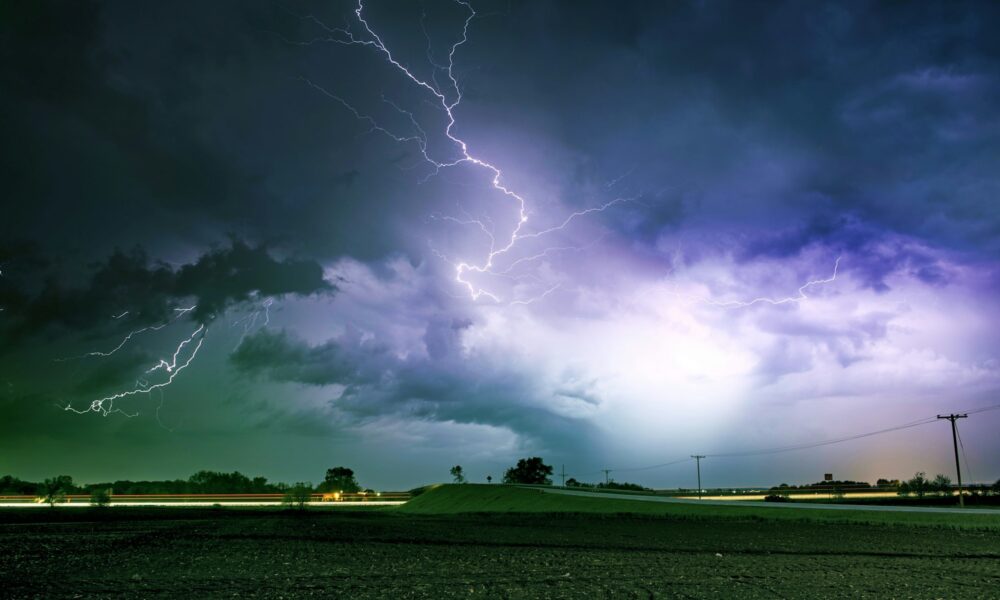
point(382, 554)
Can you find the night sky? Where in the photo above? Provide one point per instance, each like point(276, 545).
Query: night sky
point(248, 236)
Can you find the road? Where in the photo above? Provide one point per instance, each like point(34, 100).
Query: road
point(204, 504)
point(806, 505)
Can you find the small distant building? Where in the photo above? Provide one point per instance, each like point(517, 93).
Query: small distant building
point(827, 476)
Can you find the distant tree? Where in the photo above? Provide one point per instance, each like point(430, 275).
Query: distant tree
point(572, 482)
point(54, 490)
point(918, 485)
point(13, 486)
point(941, 484)
point(457, 475)
point(996, 487)
point(624, 485)
point(489, 479)
point(530, 471)
point(297, 496)
point(100, 497)
point(340, 479)
point(212, 482)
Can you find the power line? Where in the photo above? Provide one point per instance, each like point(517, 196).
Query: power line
point(982, 409)
point(658, 466)
point(805, 446)
point(794, 447)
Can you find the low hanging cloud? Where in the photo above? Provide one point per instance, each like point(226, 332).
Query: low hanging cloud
point(283, 357)
point(138, 291)
point(435, 383)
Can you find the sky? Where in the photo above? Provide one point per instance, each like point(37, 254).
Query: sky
point(277, 237)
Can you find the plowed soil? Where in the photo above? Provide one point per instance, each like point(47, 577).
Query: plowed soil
point(192, 553)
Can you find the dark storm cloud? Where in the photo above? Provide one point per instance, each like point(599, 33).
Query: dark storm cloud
point(230, 275)
point(871, 254)
point(173, 125)
point(279, 356)
point(378, 383)
point(762, 115)
point(758, 141)
point(145, 292)
point(132, 127)
point(88, 147)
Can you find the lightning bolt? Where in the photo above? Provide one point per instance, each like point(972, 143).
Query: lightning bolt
point(106, 405)
point(251, 320)
point(778, 301)
point(97, 353)
point(183, 355)
point(448, 98)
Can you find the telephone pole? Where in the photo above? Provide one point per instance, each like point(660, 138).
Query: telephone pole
point(697, 458)
point(607, 476)
point(562, 473)
point(954, 441)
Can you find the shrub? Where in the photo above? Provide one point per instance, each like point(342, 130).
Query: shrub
point(297, 496)
point(100, 497)
point(54, 490)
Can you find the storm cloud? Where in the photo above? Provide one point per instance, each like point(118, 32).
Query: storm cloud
point(735, 215)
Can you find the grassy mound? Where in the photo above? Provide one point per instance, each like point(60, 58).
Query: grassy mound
point(471, 498)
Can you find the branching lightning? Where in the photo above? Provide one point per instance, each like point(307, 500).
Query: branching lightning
point(97, 353)
point(447, 98)
point(778, 301)
point(106, 405)
point(249, 321)
point(168, 368)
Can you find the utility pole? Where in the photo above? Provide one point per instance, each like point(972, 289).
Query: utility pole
point(607, 476)
point(562, 473)
point(954, 441)
point(697, 458)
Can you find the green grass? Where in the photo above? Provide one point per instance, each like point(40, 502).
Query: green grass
point(471, 498)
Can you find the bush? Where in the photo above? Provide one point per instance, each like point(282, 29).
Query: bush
point(775, 498)
point(54, 490)
point(297, 496)
point(918, 485)
point(941, 484)
point(100, 497)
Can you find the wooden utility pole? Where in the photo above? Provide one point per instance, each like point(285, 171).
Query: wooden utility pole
point(697, 458)
point(607, 476)
point(954, 442)
point(562, 473)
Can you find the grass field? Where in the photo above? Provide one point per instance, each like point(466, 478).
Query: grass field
point(451, 499)
point(492, 542)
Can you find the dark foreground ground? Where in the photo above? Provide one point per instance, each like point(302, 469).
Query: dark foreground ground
point(193, 553)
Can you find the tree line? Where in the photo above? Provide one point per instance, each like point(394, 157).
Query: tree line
point(918, 485)
point(337, 479)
